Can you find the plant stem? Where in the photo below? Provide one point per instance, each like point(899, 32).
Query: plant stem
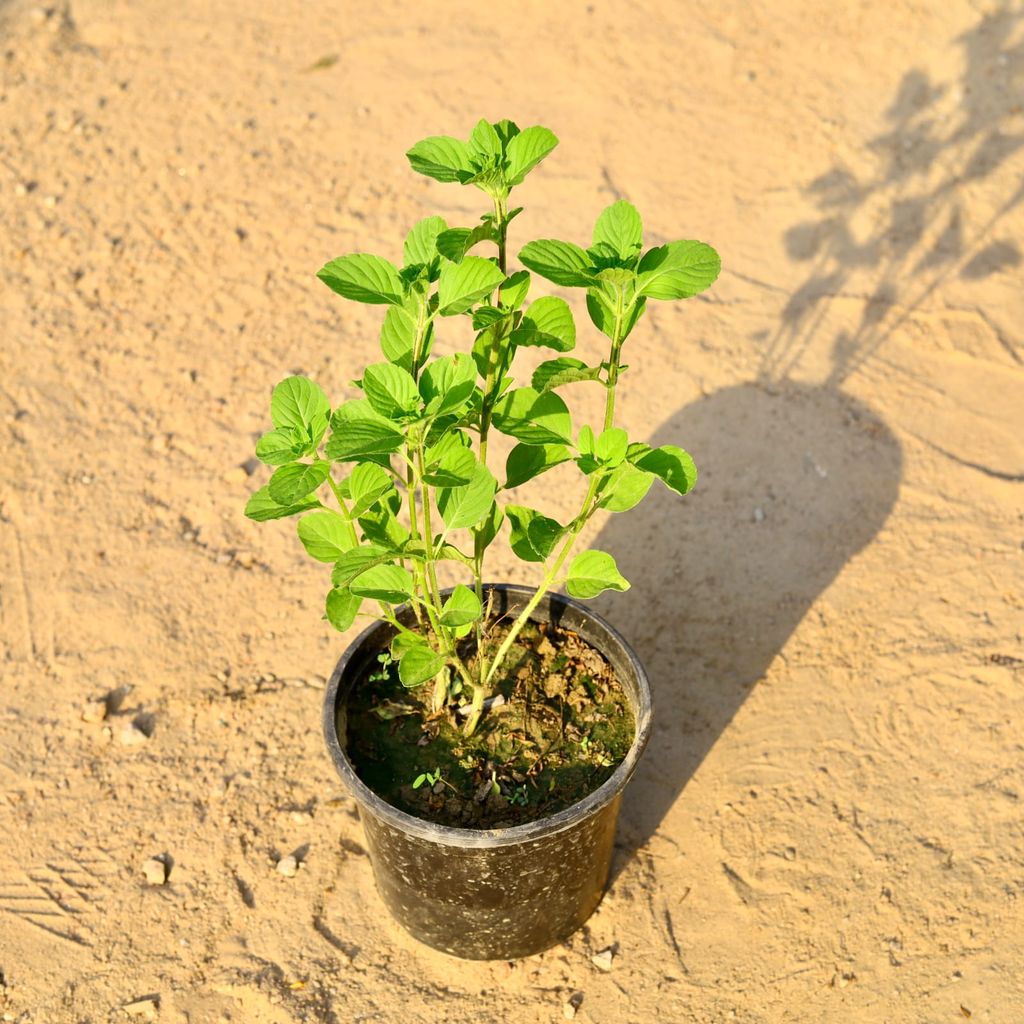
point(433, 606)
point(501, 225)
point(428, 533)
point(613, 363)
point(422, 323)
point(545, 585)
point(587, 510)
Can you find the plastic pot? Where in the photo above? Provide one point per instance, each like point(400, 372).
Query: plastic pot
point(495, 894)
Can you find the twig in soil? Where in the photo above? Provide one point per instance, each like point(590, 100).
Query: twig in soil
point(491, 702)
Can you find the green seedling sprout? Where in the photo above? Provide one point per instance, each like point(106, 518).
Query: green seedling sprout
point(388, 485)
point(433, 778)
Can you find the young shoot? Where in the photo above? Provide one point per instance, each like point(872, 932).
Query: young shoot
point(388, 485)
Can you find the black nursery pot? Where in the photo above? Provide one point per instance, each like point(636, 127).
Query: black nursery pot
point(494, 894)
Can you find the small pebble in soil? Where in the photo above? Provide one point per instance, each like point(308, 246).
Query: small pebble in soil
point(603, 960)
point(288, 866)
point(155, 871)
point(758, 514)
point(94, 710)
point(146, 1008)
point(132, 736)
point(571, 1005)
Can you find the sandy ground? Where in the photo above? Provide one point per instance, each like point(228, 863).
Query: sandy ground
point(828, 825)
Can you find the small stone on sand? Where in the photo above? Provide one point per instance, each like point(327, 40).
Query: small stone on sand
point(94, 710)
point(132, 736)
point(142, 1008)
point(288, 866)
point(155, 871)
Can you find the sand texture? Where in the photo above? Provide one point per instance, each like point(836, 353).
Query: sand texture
point(829, 823)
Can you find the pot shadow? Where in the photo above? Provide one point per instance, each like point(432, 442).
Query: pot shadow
point(794, 480)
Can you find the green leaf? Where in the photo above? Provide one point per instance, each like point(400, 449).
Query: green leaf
point(507, 130)
point(281, 445)
point(610, 448)
point(487, 529)
point(442, 158)
point(601, 308)
point(261, 507)
point(358, 432)
point(463, 284)
point(514, 289)
point(363, 277)
point(533, 535)
point(561, 262)
point(526, 150)
point(526, 461)
point(454, 243)
point(547, 322)
point(299, 404)
point(585, 442)
point(536, 418)
point(443, 552)
point(398, 337)
point(450, 462)
point(325, 535)
point(624, 487)
point(674, 467)
point(488, 179)
point(462, 607)
point(380, 525)
point(677, 270)
point(620, 228)
point(421, 242)
point(390, 390)
point(564, 370)
point(593, 572)
point(367, 485)
point(467, 505)
point(447, 383)
point(484, 141)
point(342, 608)
point(388, 583)
point(293, 482)
point(487, 316)
point(419, 663)
point(357, 561)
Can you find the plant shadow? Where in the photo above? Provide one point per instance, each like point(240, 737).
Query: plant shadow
point(901, 225)
point(796, 480)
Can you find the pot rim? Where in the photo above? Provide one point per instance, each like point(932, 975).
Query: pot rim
point(471, 838)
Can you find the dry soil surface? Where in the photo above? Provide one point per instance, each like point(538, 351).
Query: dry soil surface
point(828, 823)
